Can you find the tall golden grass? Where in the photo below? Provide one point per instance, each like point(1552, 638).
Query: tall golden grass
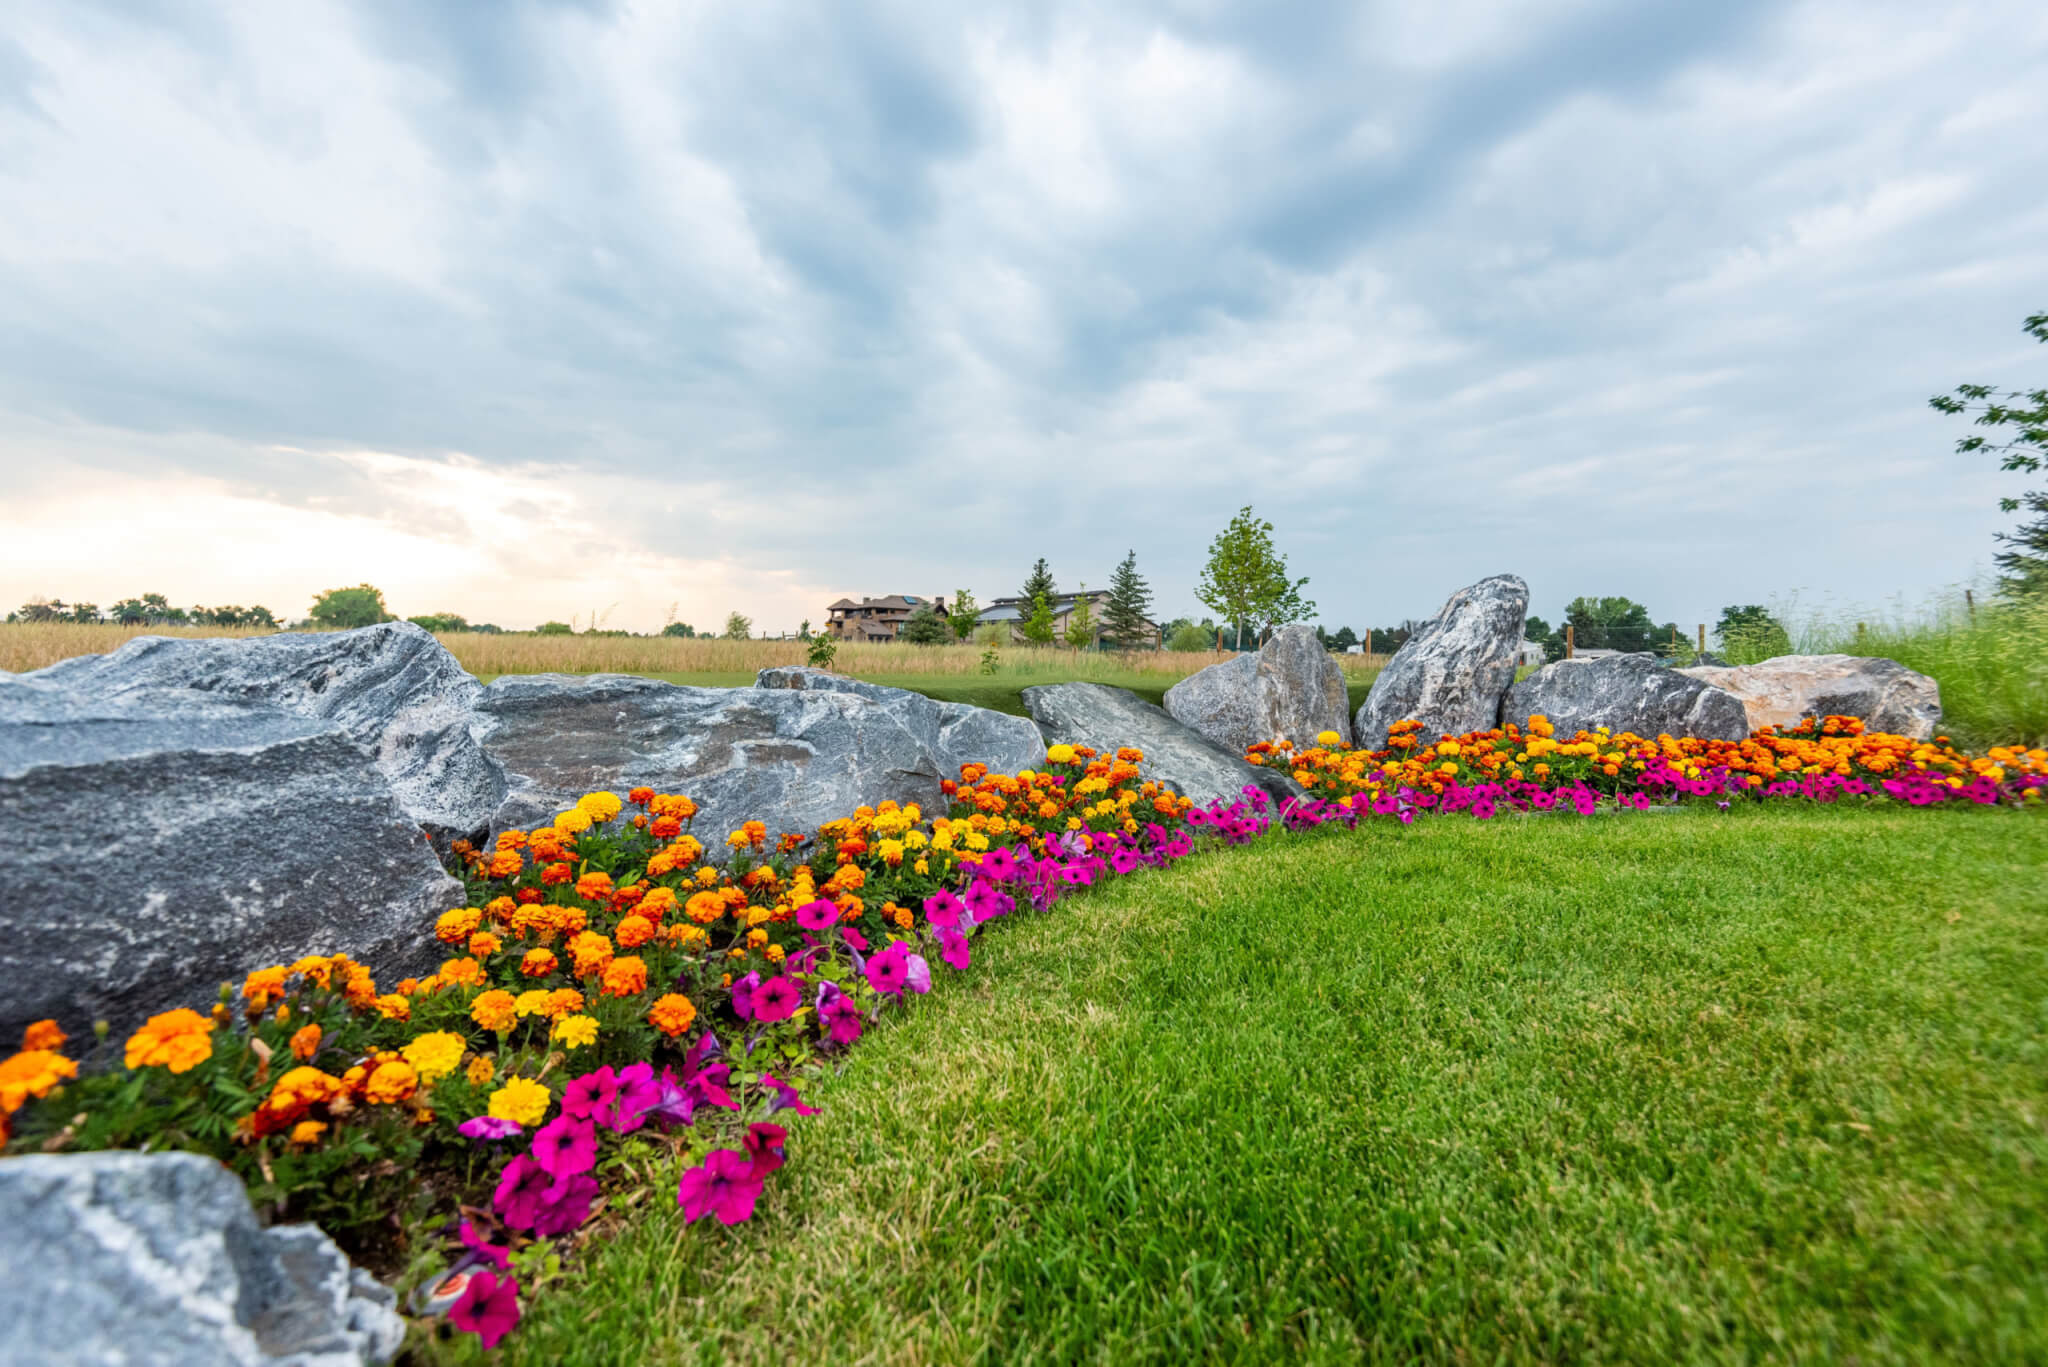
point(32, 645)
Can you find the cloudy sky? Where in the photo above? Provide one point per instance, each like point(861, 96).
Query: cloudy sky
point(548, 309)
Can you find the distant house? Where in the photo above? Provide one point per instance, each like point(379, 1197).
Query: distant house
point(1014, 612)
point(875, 619)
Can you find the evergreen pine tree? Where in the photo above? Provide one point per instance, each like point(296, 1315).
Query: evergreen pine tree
point(1038, 584)
point(1124, 617)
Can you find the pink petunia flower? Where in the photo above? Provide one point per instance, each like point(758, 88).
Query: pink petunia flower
point(566, 1146)
point(488, 1307)
point(724, 1186)
point(777, 1000)
point(819, 915)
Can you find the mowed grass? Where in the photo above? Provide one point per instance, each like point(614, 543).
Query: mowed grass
point(1745, 1087)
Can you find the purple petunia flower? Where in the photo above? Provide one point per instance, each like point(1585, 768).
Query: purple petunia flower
point(566, 1146)
point(765, 1148)
point(953, 948)
point(673, 1104)
point(706, 1082)
point(488, 1307)
point(889, 970)
point(565, 1206)
point(943, 909)
point(485, 1127)
point(919, 978)
point(636, 1092)
point(743, 996)
point(985, 901)
point(786, 1098)
point(840, 1016)
point(522, 1192)
point(724, 1186)
point(1124, 860)
point(777, 1000)
point(819, 915)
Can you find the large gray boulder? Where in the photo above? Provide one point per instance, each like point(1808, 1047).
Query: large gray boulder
point(792, 758)
point(156, 1260)
point(1106, 718)
point(152, 857)
point(1451, 674)
point(1625, 693)
point(1290, 689)
point(956, 733)
point(393, 689)
point(1787, 690)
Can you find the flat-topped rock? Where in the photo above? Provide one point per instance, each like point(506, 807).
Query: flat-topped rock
point(1785, 691)
point(1290, 689)
point(956, 733)
point(1625, 693)
point(1453, 672)
point(156, 1260)
point(1105, 718)
point(393, 689)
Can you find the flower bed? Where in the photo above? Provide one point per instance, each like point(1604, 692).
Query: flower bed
point(612, 1007)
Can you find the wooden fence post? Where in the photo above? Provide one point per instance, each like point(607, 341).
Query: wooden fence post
point(1568, 642)
point(1970, 602)
point(1703, 638)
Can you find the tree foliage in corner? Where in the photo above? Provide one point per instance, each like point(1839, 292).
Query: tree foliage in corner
point(1081, 621)
point(342, 609)
point(966, 614)
point(738, 627)
point(1126, 618)
point(2024, 567)
point(925, 627)
point(1246, 582)
point(1038, 584)
point(1038, 627)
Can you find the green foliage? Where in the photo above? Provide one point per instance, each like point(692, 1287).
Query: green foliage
point(1038, 584)
point(1189, 637)
point(965, 614)
point(1246, 582)
point(684, 630)
point(1343, 640)
point(1081, 621)
point(554, 629)
point(1615, 624)
point(991, 659)
point(2025, 565)
point(822, 652)
point(925, 627)
point(1126, 618)
point(1748, 633)
point(440, 621)
point(1038, 627)
point(738, 627)
point(343, 609)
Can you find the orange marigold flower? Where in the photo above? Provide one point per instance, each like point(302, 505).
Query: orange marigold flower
point(32, 1072)
point(480, 1070)
point(484, 944)
point(500, 909)
point(625, 977)
point(705, 907)
point(308, 1132)
point(305, 1042)
point(556, 873)
point(455, 926)
point(505, 864)
point(40, 1035)
point(511, 840)
point(672, 804)
point(317, 968)
point(462, 973)
point(635, 931)
point(263, 987)
point(665, 828)
point(391, 1082)
point(591, 952)
point(594, 887)
point(640, 797)
point(564, 1001)
point(537, 963)
point(493, 1010)
point(672, 1014)
point(175, 1039)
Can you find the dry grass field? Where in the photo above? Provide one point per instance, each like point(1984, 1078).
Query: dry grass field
point(27, 646)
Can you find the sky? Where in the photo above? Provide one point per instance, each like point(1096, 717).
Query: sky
point(612, 312)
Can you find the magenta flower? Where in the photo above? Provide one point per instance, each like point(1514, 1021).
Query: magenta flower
point(999, 865)
point(566, 1146)
point(1124, 860)
point(485, 1127)
point(889, 970)
point(764, 1147)
point(706, 1085)
point(858, 941)
point(567, 1205)
point(839, 1015)
point(943, 909)
point(953, 948)
point(743, 996)
point(482, 1250)
point(777, 1000)
point(637, 1092)
point(820, 915)
point(786, 1097)
point(724, 1186)
point(984, 901)
point(588, 1094)
point(488, 1307)
point(522, 1192)
point(920, 976)
point(672, 1105)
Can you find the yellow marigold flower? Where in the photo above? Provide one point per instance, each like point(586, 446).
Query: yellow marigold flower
point(625, 977)
point(1060, 754)
point(462, 973)
point(32, 1072)
point(393, 1006)
point(306, 1042)
point(392, 1081)
point(175, 1039)
point(494, 1010)
point(480, 1070)
point(303, 1087)
point(575, 1031)
point(522, 1101)
point(532, 1003)
point(316, 967)
point(600, 806)
point(574, 821)
point(672, 1014)
point(43, 1035)
point(775, 954)
point(308, 1132)
point(455, 926)
point(435, 1055)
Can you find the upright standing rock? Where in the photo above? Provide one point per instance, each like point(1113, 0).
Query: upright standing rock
point(1625, 693)
point(393, 689)
point(1451, 674)
point(156, 1260)
point(1291, 689)
point(1787, 690)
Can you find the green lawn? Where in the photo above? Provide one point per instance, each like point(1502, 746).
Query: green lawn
point(1003, 693)
point(1758, 1086)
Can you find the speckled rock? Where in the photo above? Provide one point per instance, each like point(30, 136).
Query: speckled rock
point(1452, 673)
point(1787, 690)
point(152, 857)
point(956, 733)
point(793, 758)
point(1625, 693)
point(156, 1260)
point(1105, 718)
point(1290, 689)
point(393, 689)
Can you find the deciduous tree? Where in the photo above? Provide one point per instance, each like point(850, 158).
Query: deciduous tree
point(343, 609)
point(1246, 580)
point(2024, 566)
